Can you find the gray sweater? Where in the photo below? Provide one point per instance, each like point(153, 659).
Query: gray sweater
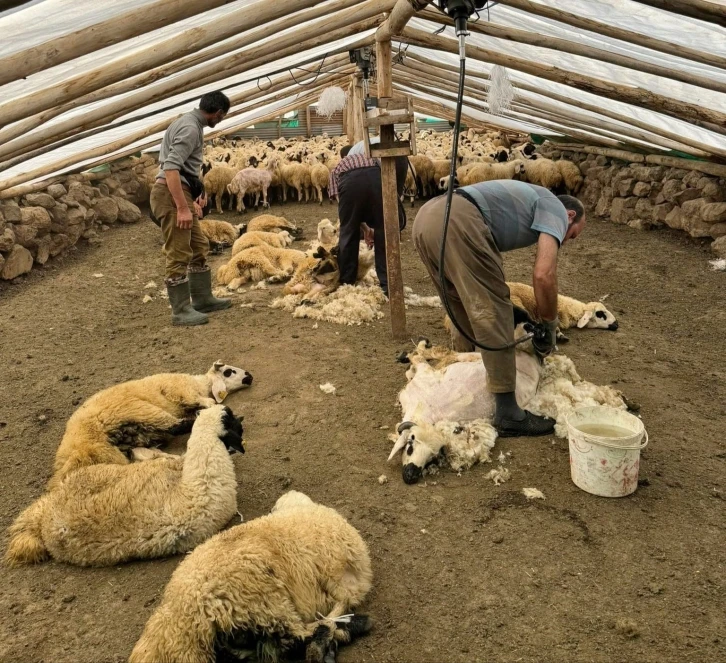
point(183, 144)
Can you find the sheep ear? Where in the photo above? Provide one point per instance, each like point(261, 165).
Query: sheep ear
point(217, 365)
point(400, 444)
point(584, 319)
point(219, 389)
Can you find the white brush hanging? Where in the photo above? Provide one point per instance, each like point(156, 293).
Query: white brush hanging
point(332, 100)
point(501, 91)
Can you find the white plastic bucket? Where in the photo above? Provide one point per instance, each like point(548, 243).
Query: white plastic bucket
point(605, 465)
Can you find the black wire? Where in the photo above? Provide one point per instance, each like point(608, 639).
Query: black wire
point(447, 217)
point(307, 71)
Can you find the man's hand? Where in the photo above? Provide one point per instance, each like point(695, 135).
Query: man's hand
point(184, 218)
point(198, 209)
point(368, 235)
point(545, 344)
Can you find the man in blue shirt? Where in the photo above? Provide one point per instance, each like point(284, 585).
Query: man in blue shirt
point(486, 220)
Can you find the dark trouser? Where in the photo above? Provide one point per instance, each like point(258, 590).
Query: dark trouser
point(361, 201)
point(474, 281)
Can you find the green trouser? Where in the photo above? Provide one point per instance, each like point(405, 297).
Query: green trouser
point(474, 280)
point(185, 249)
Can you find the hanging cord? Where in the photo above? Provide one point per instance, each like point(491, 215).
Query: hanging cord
point(307, 71)
point(447, 214)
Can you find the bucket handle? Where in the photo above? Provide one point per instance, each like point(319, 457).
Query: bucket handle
point(616, 446)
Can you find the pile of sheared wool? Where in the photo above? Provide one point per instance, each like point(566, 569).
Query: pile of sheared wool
point(348, 305)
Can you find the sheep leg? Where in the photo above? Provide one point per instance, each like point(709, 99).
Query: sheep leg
point(140, 454)
point(320, 194)
point(257, 200)
point(241, 203)
point(218, 199)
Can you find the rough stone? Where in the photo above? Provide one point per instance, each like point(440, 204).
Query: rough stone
point(715, 191)
point(127, 212)
point(714, 212)
point(56, 190)
point(40, 200)
point(671, 188)
point(622, 210)
point(625, 187)
point(103, 189)
point(676, 173)
point(42, 250)
point(2, 262)
point(11, 212)
point(601, 160)
point(106, 210)
point(717, 230)
point(7, 239)
point(691, 180)
point(674, 219)
point(26, 236)
point(648, 173)
point(604, 203)
point(76, 215)
point(640, 224)
point(719, 247)
point(686, 195)
point(606, 176)
point(19, 261)
point(36, 217)
point(693, 218)
point(58, 218)
point(59, 243)
point(112, 183)
point(644, 209)
point(80, 194)
point(74, 232)
point(642, 189)
point(660, 212)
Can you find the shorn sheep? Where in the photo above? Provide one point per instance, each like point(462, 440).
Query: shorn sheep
point(250, 181)
point(140, 413)
point(279, 240)
point(274, 584)
point(259, 263)
point(220, 234)
point(106, 514)
point(571, 312)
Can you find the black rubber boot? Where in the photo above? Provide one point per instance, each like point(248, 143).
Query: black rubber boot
point(182, 312)
point(531, 426)
point(200, 287)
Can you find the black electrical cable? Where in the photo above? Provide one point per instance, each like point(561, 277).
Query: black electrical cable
point(447, 217)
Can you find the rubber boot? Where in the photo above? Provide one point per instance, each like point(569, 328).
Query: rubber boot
point(200, 286)
point(182, 313)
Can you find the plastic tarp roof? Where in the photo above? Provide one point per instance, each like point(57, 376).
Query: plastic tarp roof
point(38, 21)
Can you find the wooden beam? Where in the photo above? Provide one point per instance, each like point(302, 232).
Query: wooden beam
point(149, 17)
point(308, 127)
point(622, 155)
point(697, 146)
point(697, 115)
point(401, 13)
point(390, 199)
point(551, 12)
point(575, 48)
point(700, 9)
point(189, 41)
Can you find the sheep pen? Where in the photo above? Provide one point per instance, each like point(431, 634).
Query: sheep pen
point(540, 575)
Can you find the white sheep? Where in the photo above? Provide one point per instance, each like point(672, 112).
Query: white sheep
point(486, 172)
point(273, 584)
point(139, 413)
point(319, 178)
point(106, 514)
point(215, 184)
point(572, 178)
point(543, 172)
point(280, 240)
point(252, 181)
point(260, 262)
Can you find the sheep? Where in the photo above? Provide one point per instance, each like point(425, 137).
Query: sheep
point(543, 172)
point(140, 413)
point(572, 178)
point(294, 175)
point(328, 235)
point(106, 514)
point(271, 223)
point(258, 263)
point(442, 168)
point(220, 234)
point(496, 171)
point(279, 240)
point(571, 312)
point(452, 394)
point(319, 177)
point(409, 187)
point(250, 180)
point(271, 584)
point(424, 168)
point(215, 184)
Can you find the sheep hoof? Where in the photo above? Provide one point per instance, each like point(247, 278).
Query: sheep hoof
point(427, 342)
point(402, 358)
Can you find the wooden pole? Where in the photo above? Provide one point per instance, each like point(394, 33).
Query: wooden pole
point(632, 157)
point(308, 126)
point(697, 146)
point(94, 37)
point(401, 13)
point(566, 46)
point(700, 9)
point(247, 17)
point(390, 200)
point(549, 11)
point(697, 115)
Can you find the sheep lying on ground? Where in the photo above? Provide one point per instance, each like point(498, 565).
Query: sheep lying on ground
point(220, 234)
point(446, 407)
point(271, 223)
point(273, 584)
point(140, 413)
point(328, 236)
point(106, 514)
point(570, 312)
point(257, 263)
point(215, 184)
point(279, 240)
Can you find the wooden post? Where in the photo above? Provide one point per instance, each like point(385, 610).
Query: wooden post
point(700, 9)
point(390, 200)
point(308, 127)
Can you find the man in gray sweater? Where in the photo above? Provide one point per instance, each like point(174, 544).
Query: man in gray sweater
point(188, 277)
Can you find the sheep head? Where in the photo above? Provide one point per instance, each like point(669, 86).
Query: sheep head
point(292, 500)
point(596, 316)
point(225, 379)
point(421, 446)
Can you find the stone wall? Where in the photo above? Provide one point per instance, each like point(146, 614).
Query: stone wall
point(646, 196)
point(41, 225)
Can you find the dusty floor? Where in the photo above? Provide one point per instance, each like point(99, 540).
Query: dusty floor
point(573, 578)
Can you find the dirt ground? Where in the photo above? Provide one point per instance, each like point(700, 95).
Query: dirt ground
point(492, 578)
